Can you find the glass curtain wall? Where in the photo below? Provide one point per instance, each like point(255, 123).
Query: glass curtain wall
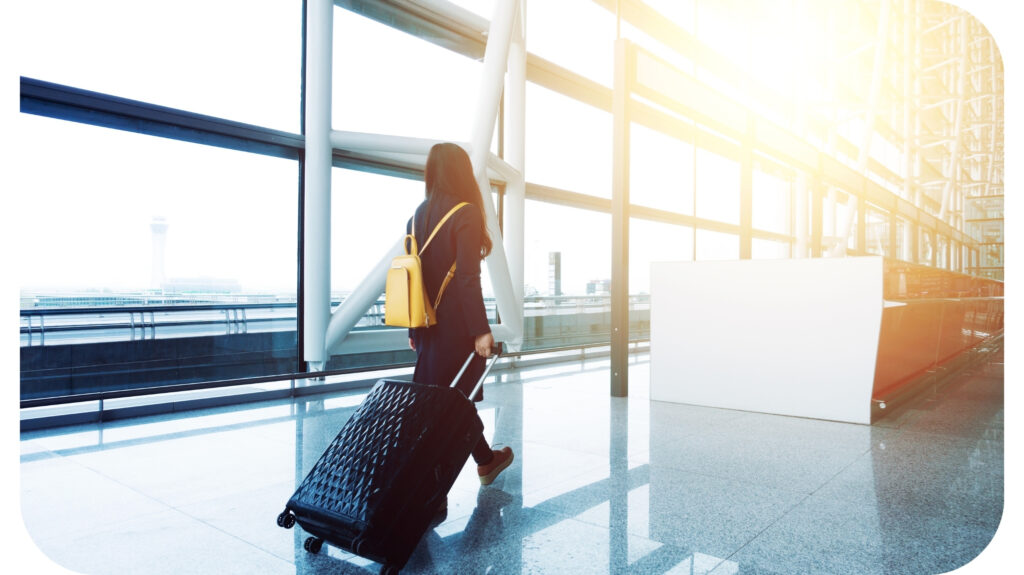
point(223, 224)
point(150, 261)
point(233, 59)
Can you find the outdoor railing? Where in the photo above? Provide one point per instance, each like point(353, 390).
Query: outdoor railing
point(70, 325)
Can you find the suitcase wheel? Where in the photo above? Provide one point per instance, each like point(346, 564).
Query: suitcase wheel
point(286, 520)
point(390, 570)
point(313, 544)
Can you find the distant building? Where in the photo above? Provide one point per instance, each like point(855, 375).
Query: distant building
point(555, 273)
point(599, 287)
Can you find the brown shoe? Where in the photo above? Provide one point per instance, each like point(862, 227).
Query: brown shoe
point(489, 471)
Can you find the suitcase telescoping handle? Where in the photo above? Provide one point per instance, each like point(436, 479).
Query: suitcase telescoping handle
point(495, 352)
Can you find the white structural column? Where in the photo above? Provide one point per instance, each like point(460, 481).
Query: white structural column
point(510, 303)
point(802, 198)
point(954, 164)
point(874, 90)
point(317, 207)
point(492, 84)
point(515, 151)
point(909, 146)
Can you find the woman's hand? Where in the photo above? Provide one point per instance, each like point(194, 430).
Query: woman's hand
point(483, 344)
point(412, 344)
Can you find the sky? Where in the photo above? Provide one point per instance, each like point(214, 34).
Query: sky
point(110, 190)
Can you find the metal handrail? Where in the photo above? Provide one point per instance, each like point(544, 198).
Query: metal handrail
point(236, 316)
point(44, 311)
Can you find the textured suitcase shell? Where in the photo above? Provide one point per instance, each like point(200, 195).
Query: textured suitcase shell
point(376, 487)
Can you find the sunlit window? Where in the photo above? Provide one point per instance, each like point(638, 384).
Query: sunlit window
point(591, 28)
point(140, 213)
point(356, 247)
point(651, 242)
point(717, 246)
point(235, 59)
point(585, 252)
point(718, 187)
point(400, 84)
point(568, 144)
point(769, 249)
point(660, 171)
point(771, 198)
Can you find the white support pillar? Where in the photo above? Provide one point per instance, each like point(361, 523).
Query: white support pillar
point(877, 74)
point(317, 207)
point(515, 150)
point(802, 198)
point(492, 83)
point(909, 146)
point(509, 305)
point(954, 169)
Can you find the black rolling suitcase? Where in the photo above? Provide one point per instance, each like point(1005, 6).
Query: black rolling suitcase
point(377, 486)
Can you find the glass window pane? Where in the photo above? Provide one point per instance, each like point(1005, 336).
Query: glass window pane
point(942, 259)
point(585, 256)
point(903, 240)
point(390, 82)
point(717, 246)
point(368, 217)
point(655, 242)
point(718, 187)
point(590, 52)
point(568, 144)
point(925, 247)
point(228, 215)
point(660, 171)
point(876, 233)
point(581, 314)
point(235, 59)
point(148, 228)
point(834, 215)
point(679, 11)
point(761, 249)
point(771, 202)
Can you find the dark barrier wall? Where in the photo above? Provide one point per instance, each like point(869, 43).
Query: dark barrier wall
point(67, 369)
point(931, 316)
point(55, 370)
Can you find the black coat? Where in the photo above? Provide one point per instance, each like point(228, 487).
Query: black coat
point(442, 348)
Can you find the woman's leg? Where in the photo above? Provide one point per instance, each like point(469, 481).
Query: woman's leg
point(482, 453)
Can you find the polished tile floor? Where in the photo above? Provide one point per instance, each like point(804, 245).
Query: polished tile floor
point(599, 485)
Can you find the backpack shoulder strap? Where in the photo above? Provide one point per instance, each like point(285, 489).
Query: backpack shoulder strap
point(450, 213)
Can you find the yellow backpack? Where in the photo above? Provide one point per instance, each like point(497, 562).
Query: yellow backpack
point(405, 296)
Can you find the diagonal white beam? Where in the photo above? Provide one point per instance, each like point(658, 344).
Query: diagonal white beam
point(492, 84)
point(361, 299)
point(874, 91)
point(954, 168)
point(499, 169)
point(367, 142)
point(496, 56)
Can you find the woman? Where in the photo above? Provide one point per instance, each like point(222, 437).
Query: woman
point(461, 319)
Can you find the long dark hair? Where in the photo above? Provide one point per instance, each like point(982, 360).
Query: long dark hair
point(450, 173)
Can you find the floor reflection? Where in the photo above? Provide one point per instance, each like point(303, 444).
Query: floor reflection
point(600, 485)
